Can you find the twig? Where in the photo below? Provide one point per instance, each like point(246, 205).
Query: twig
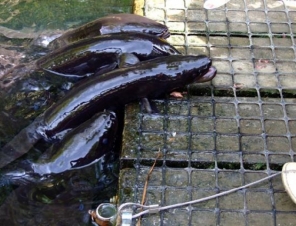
point(146, 184)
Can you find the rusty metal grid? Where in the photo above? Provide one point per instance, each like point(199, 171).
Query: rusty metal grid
point(223, 134)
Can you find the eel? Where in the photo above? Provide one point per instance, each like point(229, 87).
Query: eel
point(26, 91)
point(116, 88)
point(91, 55)
point(82, 146)
point(113, 23)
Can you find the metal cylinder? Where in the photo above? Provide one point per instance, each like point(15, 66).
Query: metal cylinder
point(106, 214)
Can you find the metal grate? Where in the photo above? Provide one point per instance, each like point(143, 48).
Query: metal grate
point(226, 133)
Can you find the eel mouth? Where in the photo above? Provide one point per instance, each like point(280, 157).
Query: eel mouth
point(165, 34)
point(208, 76)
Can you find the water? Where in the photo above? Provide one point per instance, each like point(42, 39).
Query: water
point(23, 21)
point(62, 200)
point(65, 199)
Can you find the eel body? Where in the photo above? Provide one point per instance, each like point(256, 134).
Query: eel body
point(123, 23)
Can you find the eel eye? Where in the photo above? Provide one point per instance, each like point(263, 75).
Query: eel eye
point(109, 124)
point(105, 141)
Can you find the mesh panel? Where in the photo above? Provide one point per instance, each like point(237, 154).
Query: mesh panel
point(231, 131)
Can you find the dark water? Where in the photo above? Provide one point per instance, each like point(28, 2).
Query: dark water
point(65, 199)
point(61, 200)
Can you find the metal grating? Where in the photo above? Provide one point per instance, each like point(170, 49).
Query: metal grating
point(226, 133)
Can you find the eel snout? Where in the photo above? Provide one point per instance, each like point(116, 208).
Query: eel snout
point(208, 76)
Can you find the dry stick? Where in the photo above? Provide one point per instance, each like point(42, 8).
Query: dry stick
point(146, 184)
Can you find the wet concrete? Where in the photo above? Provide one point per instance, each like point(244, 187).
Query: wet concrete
point(223, 134)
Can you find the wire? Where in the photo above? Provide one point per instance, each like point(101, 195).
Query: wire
point(130, 204)
point(156, 208)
